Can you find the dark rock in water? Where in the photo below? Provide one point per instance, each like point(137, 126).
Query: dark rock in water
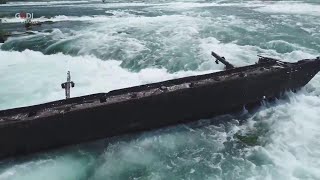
point(109, 14)
point(249, 140)
point(3, 1)
point(29, 33)
point(47, 31)
point(29, 24)
point(2, 39)
point(48, 22)
point(122, 32)
point(3, 36)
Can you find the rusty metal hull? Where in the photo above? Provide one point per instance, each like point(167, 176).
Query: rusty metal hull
point(75, 120)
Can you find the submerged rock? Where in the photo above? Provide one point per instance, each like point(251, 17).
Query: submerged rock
point(48, 22)
point(29, 24)
point(249, 140)
point(3, 36)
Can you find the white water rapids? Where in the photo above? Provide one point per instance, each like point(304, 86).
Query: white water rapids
point(121, 44)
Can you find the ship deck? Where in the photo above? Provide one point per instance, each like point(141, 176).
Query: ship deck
point(136, 92)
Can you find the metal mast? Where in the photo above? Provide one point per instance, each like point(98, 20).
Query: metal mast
point(67, 85)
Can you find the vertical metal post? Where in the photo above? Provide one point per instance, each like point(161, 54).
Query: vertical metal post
point(67, 85)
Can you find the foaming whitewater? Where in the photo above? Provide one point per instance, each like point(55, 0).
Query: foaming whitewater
point(121, 44)
point(151, 35)
point(96, 18)
point(295, 137)
point(41, 76)
point(291, 8)
point(41, 3)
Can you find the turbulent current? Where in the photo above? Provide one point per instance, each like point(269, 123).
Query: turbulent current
point(118, 44)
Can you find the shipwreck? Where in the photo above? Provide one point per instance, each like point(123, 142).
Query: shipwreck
point(74, 120)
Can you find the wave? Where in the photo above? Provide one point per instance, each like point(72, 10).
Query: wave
point(41, 76)
point(41, 3)
point(95, 18)
point(293, 8)
point(174, 42)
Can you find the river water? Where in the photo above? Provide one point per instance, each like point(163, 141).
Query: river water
point(125, 43)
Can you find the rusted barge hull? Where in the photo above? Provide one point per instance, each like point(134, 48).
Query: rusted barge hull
point(55, 124)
